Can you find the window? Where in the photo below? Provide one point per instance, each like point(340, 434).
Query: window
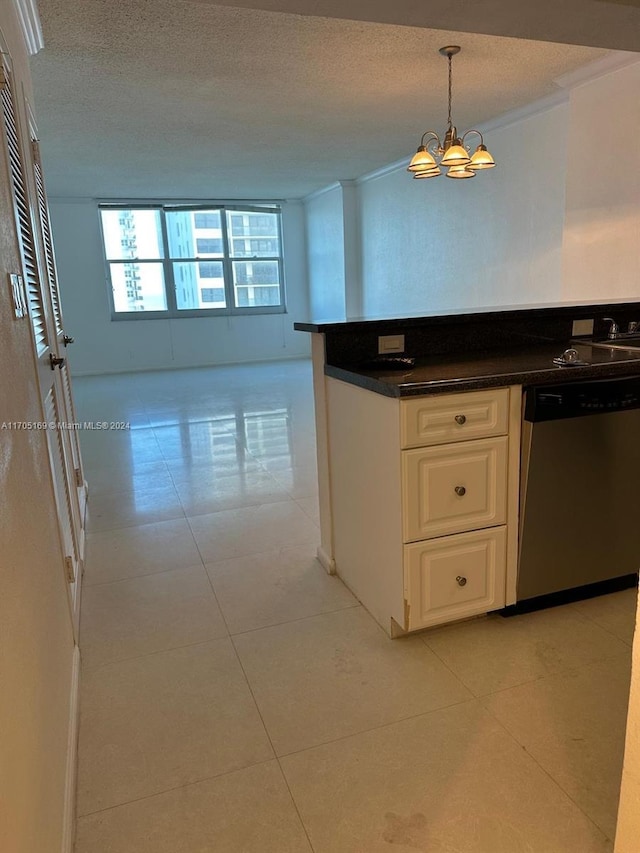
point(171, 261)
point(209, 245)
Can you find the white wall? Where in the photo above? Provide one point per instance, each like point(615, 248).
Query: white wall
point(324, 215)
point(602, 218)
point(106, 346)
point(493, 240)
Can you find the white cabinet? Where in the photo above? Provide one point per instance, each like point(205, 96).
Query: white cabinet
point(454, 488)
point(454, 417)
point(450, 578)
point(450, 488)
point(424, 501)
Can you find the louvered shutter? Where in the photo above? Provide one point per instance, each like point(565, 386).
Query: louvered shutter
point(23, 218)
point(47, 239)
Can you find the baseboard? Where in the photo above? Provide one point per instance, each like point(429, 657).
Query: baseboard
point(69, 818)
point(327, 562)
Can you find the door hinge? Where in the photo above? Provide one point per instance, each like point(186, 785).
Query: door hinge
point(4, 80)
point(79, 478)
point(407, 614)
point(35, 150)
point(71, 572)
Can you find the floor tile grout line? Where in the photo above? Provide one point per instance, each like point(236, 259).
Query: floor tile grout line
point(89, 585)
point(369, 730)
point(91, 532)
point(176, 788)
point(293, 621)
point(92, 669)
point(266, 731)
point(295, 805)
point(145, 575)
point(569, 670)
point(546, 772)
point(528, 681)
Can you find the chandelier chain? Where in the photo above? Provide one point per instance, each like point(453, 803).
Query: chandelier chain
point(449, 117)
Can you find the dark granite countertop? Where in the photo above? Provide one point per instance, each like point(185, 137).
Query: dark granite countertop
point(486, 315)
point(438, 374)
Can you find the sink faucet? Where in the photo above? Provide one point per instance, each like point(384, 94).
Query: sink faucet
point(614, 334)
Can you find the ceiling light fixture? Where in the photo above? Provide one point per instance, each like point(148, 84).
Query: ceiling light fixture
point(452, 153)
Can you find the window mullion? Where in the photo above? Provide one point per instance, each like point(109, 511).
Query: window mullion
point(227, 267)
point(167, 265)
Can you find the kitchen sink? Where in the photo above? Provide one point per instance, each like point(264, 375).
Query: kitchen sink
point(632, 343)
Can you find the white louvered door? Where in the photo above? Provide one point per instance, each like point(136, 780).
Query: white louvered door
point(62, 340)
point(46, 321)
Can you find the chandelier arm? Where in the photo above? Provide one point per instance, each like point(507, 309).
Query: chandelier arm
point(432, 134)
point(464, 136)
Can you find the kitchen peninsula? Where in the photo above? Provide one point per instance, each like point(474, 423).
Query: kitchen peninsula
point(419, 460)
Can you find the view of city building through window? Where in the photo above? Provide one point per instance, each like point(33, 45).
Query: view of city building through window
point(170, 260)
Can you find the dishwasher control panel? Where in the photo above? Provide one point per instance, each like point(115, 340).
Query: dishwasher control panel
point(577, 399)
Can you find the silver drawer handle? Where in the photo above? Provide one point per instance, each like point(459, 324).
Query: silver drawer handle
point(462, 581)
point(460, 419)
point(460, 491)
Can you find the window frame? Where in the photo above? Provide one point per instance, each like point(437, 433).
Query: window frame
point(172, 311)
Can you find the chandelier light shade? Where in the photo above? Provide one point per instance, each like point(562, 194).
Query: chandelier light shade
point(450, 153)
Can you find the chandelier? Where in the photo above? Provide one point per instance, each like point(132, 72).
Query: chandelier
point(452, 153)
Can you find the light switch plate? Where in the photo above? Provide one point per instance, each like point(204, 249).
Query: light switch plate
point(582, 327)
point(390, 343)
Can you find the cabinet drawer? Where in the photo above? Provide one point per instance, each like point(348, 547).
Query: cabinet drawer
point(454, 488)
point(454, 577)
point(454, 417)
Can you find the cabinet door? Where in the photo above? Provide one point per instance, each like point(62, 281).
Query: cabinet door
point(448, 418)
point(454, 488)
point(455, 577)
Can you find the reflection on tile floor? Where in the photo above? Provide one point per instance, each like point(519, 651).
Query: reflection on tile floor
point(236, 699)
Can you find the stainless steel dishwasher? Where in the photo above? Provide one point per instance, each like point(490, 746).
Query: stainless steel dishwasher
point(580, 487)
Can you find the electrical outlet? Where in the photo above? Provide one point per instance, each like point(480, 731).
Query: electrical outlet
point(390, 343)
point(582, 327)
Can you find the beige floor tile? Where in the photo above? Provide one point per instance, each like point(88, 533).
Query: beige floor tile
point(445, 782)
point(203, 472)
point(300, 481)
point(615, 613)
point(574, 726)
point(117, 477)
point(332, 675)
point(248, 811)
point(134, 551)
point(251, 530)
point(494, 653)
point(312, 508)
point(164, 720)
point(132, 508)
point(274, 587)
point(250, 488)
point(138, 616)
point(99, 446)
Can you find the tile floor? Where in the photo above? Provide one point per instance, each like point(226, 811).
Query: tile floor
point(236, 699)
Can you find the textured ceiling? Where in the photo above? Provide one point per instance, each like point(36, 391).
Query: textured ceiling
point(173, 99)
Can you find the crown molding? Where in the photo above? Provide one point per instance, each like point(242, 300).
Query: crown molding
point(613, 61)
point(27, 13)
point(335, 185)
point(542, 105)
